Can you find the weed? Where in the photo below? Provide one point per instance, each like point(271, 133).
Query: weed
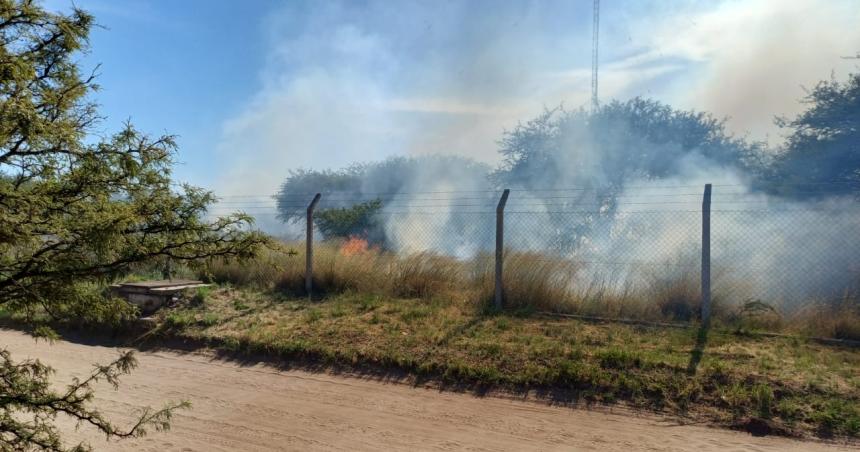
point(312, 315)
point(618, 358)
point(366, 304)
point(414, 314)
point(502, 324)
point(789, 409)
point(179, 319)
point(339, 310)
point(200, 295)
point(837, 416)
point(762, 396)
point(209, 319)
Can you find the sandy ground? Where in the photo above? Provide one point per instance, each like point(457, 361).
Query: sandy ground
point(257, 407)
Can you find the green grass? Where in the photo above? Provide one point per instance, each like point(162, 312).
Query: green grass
point(807, 388)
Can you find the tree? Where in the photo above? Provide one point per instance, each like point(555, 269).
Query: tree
point(358, 220)
point(25, 390)
point(822, 152)
point(598, 153)
point(618, 143)
point(76, 213)
point(356, 198)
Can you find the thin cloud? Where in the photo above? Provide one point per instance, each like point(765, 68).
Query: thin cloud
point(345, 84)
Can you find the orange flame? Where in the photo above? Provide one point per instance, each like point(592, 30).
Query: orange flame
point(353, 246)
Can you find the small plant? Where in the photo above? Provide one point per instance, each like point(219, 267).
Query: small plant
point(200, 295)
point(762, 396)
point(338, 310)
point(789, 410)
point(491, 349)
point(840, 417)
point(312, 315)
point(503, 324)
point(368, 304)
point(179, 319)
point(754, 314)
point(415, 313)
point(209, 319)
point(618, 358)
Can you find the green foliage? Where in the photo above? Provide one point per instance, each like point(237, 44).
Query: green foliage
point(357, 220)
point(77, 212)
point(295, 192)
point(200, 295)
point(393, 175)
point(74, 212)
point(822, 154)
point(45, 332)
point(621, 141)
point(838, 416)
point(29, 404)
point(638, 139)
point(180, 319)
point(763, 400)
point(618, 358)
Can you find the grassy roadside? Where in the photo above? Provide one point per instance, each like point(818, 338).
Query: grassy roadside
point(780, 385)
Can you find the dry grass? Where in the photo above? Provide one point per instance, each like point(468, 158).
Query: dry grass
point(803, 387)
point(373, 271)
point(838, 319)
point(533, 282)
point(427, 314)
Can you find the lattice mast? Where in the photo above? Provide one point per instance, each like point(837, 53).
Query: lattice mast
point(595, 33)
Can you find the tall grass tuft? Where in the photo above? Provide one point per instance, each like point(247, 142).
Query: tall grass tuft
point(419, 275)
point(532, 282)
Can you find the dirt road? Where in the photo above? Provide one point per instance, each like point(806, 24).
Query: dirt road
point(260, 408)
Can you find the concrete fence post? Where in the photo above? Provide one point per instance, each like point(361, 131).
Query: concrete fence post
point(706, 256)
point(500, 248)
point(309, 246)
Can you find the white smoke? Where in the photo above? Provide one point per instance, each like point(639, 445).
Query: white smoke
point(351, 84)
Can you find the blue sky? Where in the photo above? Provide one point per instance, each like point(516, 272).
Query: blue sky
point(176, 67)
point(254, 89)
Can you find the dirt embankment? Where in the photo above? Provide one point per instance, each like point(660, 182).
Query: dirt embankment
point(257, 407)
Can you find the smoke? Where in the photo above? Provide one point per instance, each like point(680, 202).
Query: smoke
point(623, 199)
point(772, 248)
point(637, 210)
point(751, 59)
point(346, 83)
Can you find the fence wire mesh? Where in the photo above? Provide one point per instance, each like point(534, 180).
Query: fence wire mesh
point(633, 255)
point(789, 258)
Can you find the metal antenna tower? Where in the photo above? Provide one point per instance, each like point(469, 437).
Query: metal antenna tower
point(595, 33)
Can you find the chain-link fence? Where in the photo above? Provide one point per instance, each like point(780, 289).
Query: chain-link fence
point(787, 257)
point(617, 254)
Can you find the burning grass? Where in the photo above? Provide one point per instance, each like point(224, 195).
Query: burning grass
point(430, 315)
point(533, 282)
point(798, 387)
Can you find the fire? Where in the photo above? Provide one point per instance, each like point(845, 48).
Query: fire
point(353, 246)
